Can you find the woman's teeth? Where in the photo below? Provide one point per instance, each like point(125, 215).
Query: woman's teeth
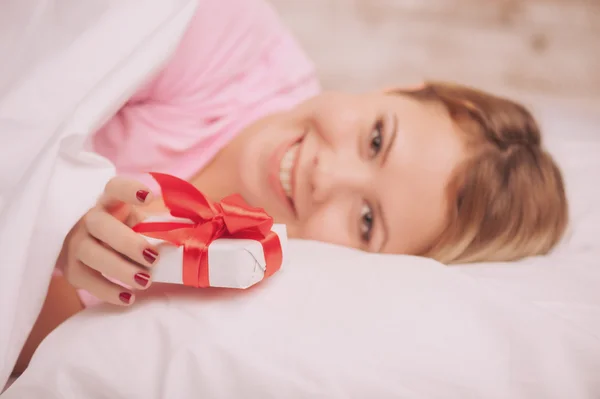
point(285, 169)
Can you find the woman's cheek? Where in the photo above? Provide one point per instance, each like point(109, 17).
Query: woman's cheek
point(331, 227)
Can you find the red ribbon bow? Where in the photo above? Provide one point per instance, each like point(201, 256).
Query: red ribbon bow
point(230, 218)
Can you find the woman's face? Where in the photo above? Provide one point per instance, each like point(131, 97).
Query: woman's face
point(367, 171)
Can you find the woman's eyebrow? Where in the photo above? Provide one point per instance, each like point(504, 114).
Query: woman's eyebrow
point(391, 140)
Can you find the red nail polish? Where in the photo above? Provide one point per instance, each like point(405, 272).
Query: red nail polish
point(141, 195)
point(150, 255)
point(142, 279)
point(125, 297)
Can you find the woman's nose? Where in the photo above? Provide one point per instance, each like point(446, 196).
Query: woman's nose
point(337, 175)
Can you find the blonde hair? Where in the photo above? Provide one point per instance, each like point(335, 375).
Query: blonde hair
point(508, 198)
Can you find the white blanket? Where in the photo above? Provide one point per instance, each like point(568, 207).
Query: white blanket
point(61, 75)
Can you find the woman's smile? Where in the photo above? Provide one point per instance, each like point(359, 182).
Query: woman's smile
point(283, 168)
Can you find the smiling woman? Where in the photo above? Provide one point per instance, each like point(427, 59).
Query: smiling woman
point(438, 170)
point(444, 171)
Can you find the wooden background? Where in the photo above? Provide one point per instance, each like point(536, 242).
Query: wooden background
point(535, 50)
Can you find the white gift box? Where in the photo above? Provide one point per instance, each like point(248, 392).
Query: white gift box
point(232, 263)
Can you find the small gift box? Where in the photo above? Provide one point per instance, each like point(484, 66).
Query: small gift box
point(202, 244)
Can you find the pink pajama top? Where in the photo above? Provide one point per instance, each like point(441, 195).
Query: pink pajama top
point(235, 64)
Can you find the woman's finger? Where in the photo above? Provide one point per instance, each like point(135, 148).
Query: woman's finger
point(134, 217)
point(81, 276)
point(122, 190)
point(104, 260)
point(105, 228)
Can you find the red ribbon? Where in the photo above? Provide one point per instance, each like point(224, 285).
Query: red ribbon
point(230, 218)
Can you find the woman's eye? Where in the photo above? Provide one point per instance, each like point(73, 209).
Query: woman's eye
point(376, 138)
point(366, 223)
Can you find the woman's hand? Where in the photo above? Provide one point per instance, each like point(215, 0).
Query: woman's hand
point(102, 247)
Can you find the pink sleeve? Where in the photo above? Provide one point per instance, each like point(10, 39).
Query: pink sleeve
point(234, 59)
point(145, 131)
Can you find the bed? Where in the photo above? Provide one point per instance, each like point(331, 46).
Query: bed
point(336, 323)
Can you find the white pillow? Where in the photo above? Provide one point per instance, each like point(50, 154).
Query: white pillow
point(66, 66)
point(335, 324)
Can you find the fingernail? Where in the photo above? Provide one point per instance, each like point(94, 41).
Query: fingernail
point(141, 195)
point(125, 297)
point(142, 279)
point(150, 255)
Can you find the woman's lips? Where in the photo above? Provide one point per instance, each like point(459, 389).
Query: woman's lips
point(275, 170)
point(294, 170)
